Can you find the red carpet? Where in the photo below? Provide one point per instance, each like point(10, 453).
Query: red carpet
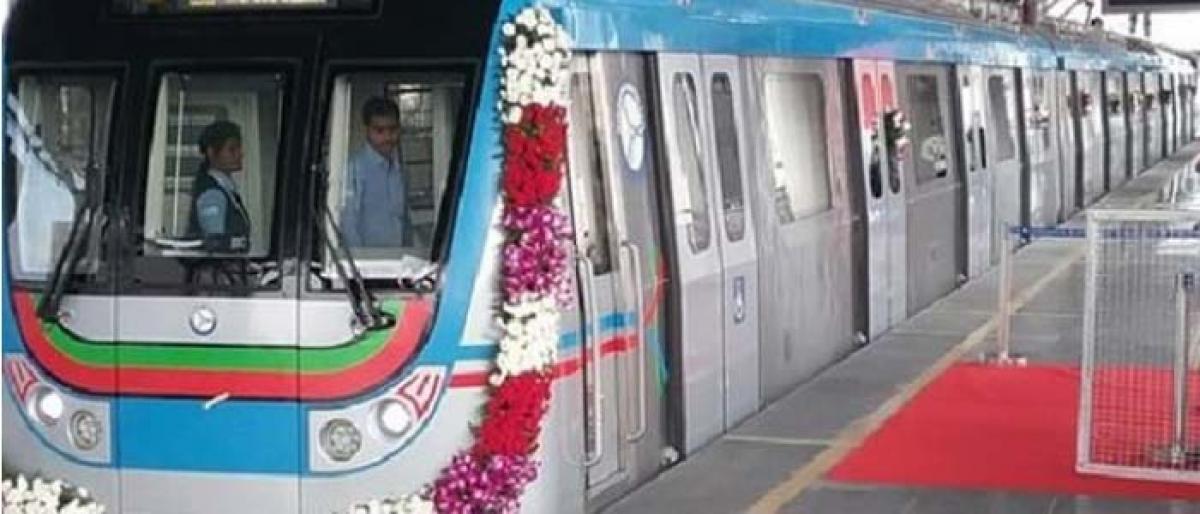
point(979, 427)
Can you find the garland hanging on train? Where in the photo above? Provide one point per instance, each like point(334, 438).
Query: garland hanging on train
point(535, 281)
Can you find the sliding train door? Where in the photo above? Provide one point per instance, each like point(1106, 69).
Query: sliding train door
point(1068, 142)
point(716, 241)
point(1041, 143)
point(1116, 131)
point(935, 185)
point(730, 156)
point(1154, 119)
point(1137, 123)
point(1003, 153)
point(978, 176)
point(883, 195)
point(621, 275)
point(1089, 111)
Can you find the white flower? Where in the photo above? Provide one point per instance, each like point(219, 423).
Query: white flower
point(514, 116)
point(40, 496)
point(508, 29)
point(530, 341)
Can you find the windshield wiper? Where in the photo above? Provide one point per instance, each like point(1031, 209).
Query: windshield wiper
point(366, 308)
point(71, 254)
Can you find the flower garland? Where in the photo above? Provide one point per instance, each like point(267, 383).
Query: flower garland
point(491, 476)
point(23, 496)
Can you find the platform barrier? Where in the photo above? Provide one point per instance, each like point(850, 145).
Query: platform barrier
point(1138, 414)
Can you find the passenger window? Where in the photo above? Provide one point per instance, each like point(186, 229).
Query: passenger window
point(586, 168)
point(60, 140)
point(795, 115)
point(388, 150)
point(998, 91)
point(210, 187)
point(694, 197)
point(728, 157)
point(930, 154)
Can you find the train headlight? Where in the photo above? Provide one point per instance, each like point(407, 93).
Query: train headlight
point(86, 430)
point(340, 439)
point(46, 405)
point(393, 418)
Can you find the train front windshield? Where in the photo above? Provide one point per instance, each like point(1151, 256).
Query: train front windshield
point(221, 157)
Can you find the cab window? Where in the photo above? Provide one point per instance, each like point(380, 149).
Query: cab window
point(388, 155)
point(59, 146)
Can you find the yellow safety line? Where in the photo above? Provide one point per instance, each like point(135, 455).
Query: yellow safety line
point(856, 432)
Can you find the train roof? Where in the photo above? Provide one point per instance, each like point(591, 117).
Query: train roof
point(892, 30)
point(901, 30)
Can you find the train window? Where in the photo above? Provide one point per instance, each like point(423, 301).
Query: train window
point(928, 129)
point(998, 94)
point(870, 117)
point(795, 108)
point(388, 149)
point(1038, 116)
point(728, 157)
point(694, 197)
point(210, 186)
point(69, 118)
point(588, 172)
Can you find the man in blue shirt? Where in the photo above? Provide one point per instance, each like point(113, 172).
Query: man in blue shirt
point(375, 193)
point(219, 217)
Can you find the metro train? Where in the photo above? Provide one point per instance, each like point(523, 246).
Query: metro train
point(757, 188)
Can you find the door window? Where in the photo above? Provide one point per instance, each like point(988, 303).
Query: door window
point(728, 157)
point(931, 158)
point(694, 196)
point(998, 94)
point(588, 172)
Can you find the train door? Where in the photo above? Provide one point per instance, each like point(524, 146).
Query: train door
point(697, 252)
point(1137, 123)
point(980, 183)
point(209, 351)
point(1116, 130)
point(1154, 119)
point(59, 356)
point(728, 157)
point(1167, 98)
point(1089, 112)
point(621, 273)
point(804, 232)
point(934, 185)
point(1188, 102)
point(1003, 154)
point(1041, 141)
point(1195, 106)
point(1068, 149)
point(884, 197)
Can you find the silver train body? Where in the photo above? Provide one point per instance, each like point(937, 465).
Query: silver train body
point(745, 214)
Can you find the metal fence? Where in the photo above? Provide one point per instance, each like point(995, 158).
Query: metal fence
point(1140, 392)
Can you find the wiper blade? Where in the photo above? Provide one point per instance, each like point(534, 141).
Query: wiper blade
point(366, 308)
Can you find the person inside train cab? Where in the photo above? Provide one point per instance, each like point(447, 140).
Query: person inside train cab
point(219, 217)
point(375, 193)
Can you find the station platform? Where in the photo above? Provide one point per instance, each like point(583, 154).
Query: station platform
point(864, 435)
